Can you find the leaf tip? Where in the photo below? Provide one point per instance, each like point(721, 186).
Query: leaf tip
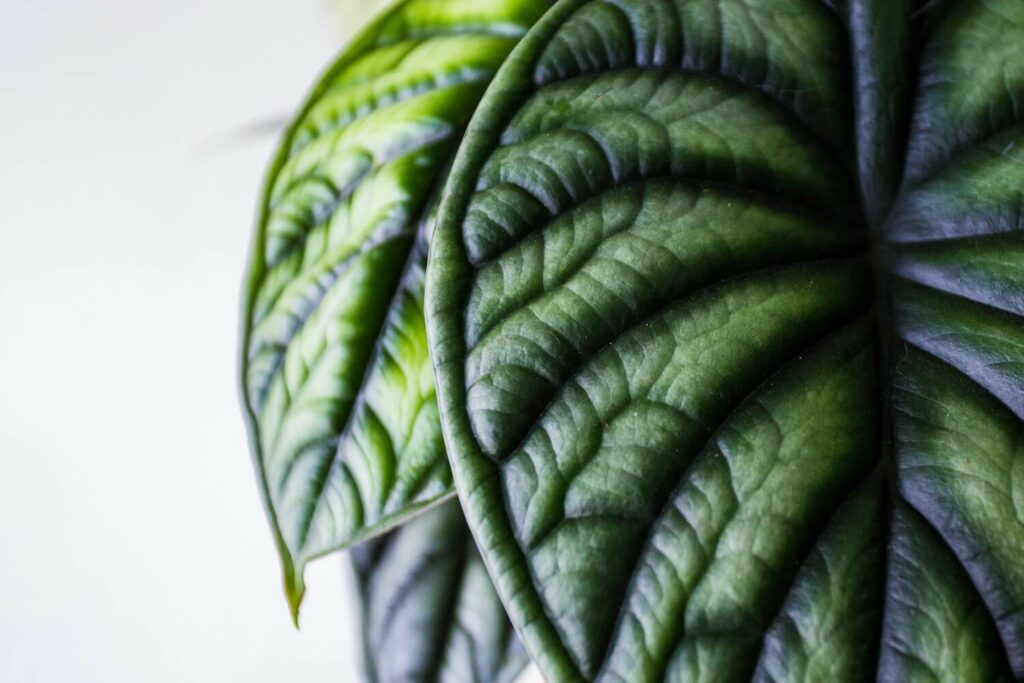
point(294, 601)
point(294, 589)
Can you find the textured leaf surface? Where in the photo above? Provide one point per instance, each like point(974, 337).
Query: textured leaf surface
point(725, 304)
point(430, 613)
point(336, 376)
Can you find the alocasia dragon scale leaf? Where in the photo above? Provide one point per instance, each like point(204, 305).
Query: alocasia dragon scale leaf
point(337, 382)
point(725, 304)
point(430, 613)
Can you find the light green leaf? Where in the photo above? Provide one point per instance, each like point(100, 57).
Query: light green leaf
point(726, 308)
point(336, 376)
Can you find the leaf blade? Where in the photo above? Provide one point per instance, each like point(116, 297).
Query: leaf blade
point(430, 612)
point(337, 383)
point(539, 281)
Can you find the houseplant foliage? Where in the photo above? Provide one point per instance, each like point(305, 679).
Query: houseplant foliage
point(337, 382)
point(725, 306)
point(430, 612)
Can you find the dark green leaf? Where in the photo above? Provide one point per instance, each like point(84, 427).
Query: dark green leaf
point(725, 306)
point(430, 613)
point(337, 382)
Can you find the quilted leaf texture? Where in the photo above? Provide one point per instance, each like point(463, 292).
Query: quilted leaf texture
point(337, 383)
point(430, 613)
point(725, 304)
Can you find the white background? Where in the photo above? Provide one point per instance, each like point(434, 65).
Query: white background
point(133, 136)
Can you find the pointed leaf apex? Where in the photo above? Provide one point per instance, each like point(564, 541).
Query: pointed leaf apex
point(294, 590)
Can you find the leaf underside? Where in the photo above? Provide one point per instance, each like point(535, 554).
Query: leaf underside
point(430, 613)
point(337, 381)
point(725, 304)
